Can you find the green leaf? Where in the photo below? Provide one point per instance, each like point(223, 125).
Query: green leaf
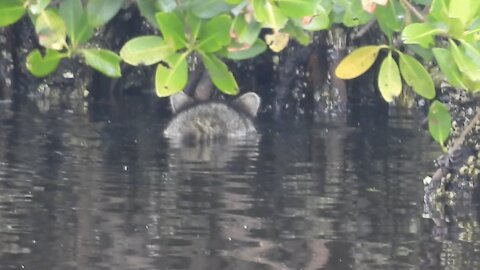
point(42, 66)
point(171, 76)
point(233, 2)
point(422, 2)
point(269, 15)
point(439, 10)
point(357, 62)
point(246, 32)
point(214, 34)
point(10, 11)
point(240, 54)
point(389, 81)
point(145, 50)
point(471, 51)
point(194, 24)
point(206, 9)
point(461, 10)
point(473, 30)
point(439, 122)
point(172, 28)
point(297, 32)
point(239, 23)
point(473, 54)
point(455, 28)
point(354, 15)
point(37, 6)
point(148, 8)
point(319, 21)
point(101, 11)
point(104, 61)
point(297, 8)
point(416, 76)
point(77, 27)
point(336, 11)
point(221, 77)
point(425, 54)
point(420, 33)
point(166, 5)
point(326, 4)
point(387, 17)
point(474, 12)
point(448, 67)
point(470, 68)
point(471, 85)
point(50, 30)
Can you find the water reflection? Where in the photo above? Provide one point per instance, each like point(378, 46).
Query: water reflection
point(102, 189)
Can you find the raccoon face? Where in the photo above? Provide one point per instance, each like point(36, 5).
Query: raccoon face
point(207, 121)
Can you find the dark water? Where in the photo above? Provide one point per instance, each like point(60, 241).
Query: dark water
point(98, 187)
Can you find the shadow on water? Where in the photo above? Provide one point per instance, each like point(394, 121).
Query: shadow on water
point(102, 189)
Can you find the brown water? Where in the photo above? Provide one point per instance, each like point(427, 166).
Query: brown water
point(98, 187)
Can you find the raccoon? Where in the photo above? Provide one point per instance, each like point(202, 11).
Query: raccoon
point(212, 120)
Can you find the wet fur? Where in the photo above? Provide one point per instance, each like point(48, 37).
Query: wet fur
point(207, 121)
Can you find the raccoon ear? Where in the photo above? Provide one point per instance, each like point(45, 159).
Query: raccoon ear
point(249, 102)
point(180, 100)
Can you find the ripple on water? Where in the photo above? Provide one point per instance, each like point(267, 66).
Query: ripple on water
point(104, 190)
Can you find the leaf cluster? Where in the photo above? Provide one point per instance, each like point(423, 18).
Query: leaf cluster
point(212, 29)
point(63, 30)
point(447, 32)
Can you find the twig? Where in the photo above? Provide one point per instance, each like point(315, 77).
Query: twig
point(440, 172)
point(414, 10)
point(364, 29)
point(459, 141)
point(436, 179)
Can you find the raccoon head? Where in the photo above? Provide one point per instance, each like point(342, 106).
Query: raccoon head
point(248, 103)
point(212, 121)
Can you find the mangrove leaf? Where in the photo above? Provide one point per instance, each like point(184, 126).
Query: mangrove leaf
point(171, 75)
point(389, 81)
point(357, 62)
point(416, 76)
point(41, 66)
point(439, 122)
point(145, 50)
point(221, 77)
point(104, 61)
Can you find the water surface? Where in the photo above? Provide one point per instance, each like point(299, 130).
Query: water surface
point(98, 187)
